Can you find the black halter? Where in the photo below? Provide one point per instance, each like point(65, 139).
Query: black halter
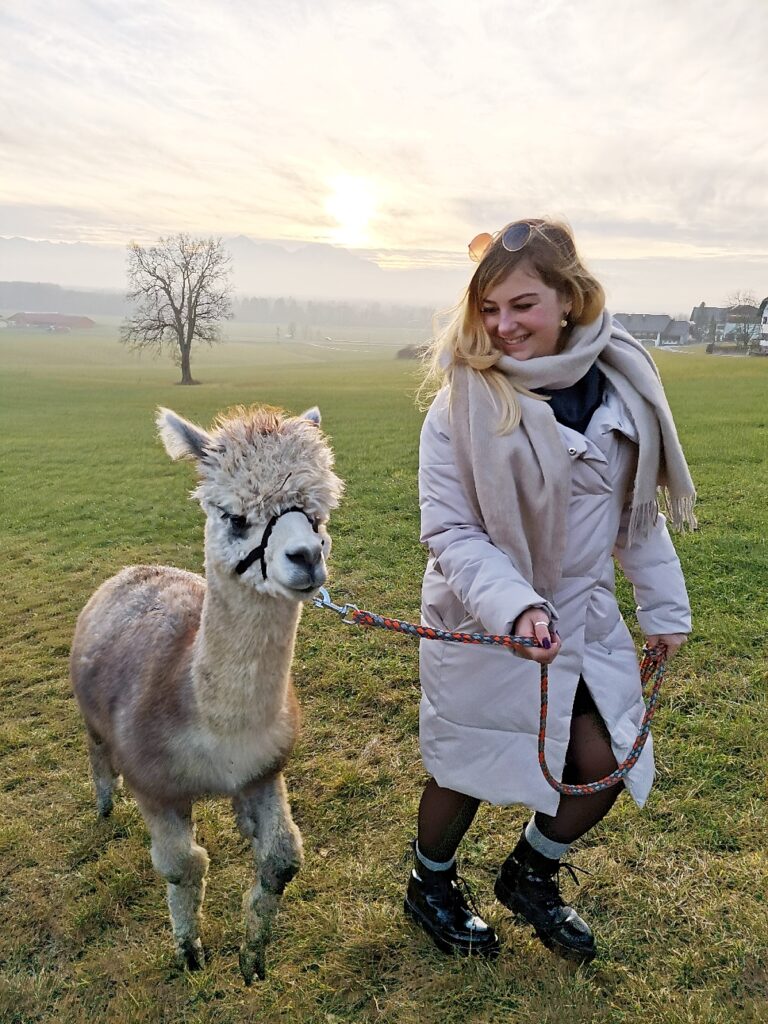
point(261, 551)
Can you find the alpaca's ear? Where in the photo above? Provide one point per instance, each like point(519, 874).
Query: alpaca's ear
point(313, 415)
point(181, 438)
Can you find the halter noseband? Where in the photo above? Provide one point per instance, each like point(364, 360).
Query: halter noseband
point(261, 551)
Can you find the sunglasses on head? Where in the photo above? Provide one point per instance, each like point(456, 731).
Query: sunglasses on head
point(514, 237)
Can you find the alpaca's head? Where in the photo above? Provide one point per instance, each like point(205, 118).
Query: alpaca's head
point(255, 465)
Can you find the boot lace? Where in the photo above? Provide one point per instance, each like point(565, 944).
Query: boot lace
point(463, 891)
point(551, 886)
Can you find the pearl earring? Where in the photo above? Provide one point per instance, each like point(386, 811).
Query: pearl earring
point(563, 322)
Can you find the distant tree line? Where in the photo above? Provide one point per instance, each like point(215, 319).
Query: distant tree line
point(27, 297)
point(22, 296)
point(301, 313)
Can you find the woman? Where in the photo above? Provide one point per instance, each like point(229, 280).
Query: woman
point(539, 464)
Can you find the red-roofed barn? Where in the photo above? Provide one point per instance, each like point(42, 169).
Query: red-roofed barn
point(50, 321)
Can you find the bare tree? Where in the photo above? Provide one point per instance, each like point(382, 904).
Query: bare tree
point(741, 297)
point(744, 315)
point(181, 291)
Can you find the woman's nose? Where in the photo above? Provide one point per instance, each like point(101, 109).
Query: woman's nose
point(507, 323)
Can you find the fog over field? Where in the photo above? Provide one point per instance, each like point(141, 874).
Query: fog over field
point(324, 271)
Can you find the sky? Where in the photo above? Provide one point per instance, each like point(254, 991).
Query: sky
point(399, 129)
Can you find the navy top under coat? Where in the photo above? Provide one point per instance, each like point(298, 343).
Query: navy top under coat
point(574, 406)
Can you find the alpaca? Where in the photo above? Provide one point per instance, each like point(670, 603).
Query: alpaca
point(184, 682)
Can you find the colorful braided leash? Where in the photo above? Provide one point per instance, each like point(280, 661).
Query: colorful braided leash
point(653, 665)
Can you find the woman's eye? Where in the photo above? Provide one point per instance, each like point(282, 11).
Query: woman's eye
point(524, 306)
point(487, 312)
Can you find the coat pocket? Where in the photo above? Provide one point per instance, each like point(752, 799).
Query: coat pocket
point(480, 687)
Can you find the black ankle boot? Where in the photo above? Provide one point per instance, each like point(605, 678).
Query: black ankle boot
point(443, 905)
point(527, 884)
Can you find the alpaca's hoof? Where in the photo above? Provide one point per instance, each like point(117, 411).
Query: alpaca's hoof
point(190, 955)
point(105, 794)
point(253, 961)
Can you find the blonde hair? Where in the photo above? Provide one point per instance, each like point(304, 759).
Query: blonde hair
point(550, 253)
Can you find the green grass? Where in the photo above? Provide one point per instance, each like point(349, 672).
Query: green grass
point(677, 893)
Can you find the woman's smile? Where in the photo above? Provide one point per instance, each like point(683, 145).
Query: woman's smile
point(513, 342)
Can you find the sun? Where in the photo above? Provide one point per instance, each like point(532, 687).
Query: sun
point(352, 202)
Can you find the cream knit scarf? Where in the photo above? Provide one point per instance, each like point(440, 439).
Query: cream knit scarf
point(519, 484)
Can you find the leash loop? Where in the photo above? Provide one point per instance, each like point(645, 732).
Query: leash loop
point(652, 666)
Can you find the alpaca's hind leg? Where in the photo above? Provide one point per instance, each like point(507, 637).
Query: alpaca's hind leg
point(106, 780)
point(264, 817)
point(184, 865)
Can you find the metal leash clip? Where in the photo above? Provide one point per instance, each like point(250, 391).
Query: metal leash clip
point(323, 600)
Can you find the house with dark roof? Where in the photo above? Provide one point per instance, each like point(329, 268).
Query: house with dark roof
point(708, 322)
point(656, 329)
point(679, 332)
point(50, 321)
point(745, 325)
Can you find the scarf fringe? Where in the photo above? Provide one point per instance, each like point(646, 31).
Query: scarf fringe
point(642, 520)
point(680, 511)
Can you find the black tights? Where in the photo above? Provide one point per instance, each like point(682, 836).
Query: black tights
point(445, 815)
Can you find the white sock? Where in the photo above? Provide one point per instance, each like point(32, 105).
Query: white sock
point(434, 865)
point(546, 847)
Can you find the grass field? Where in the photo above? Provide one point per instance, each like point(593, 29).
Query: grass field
point(677, 893)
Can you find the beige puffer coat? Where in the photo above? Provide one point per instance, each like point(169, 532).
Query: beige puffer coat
point(480, 705)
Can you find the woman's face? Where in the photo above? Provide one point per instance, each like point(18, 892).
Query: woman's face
point(522, 315)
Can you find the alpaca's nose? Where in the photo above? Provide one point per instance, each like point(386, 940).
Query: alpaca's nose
point(306, 558)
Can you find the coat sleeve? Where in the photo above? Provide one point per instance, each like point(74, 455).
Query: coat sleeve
point(653, 568)
point(482, 576)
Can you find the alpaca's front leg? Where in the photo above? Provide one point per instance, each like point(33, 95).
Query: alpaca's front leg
point(264, 817)
point(184, 865)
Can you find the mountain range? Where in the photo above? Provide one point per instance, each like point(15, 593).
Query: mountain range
point(259, 268)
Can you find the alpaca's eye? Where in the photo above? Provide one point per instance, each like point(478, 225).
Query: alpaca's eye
point(239, 524)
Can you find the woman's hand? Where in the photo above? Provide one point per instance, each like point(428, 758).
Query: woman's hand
point(671, 642)
point(535, 623)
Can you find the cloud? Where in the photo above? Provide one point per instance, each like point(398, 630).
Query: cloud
point(640, 123)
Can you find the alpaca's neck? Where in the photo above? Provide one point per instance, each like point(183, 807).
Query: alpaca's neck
point(242, 655)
